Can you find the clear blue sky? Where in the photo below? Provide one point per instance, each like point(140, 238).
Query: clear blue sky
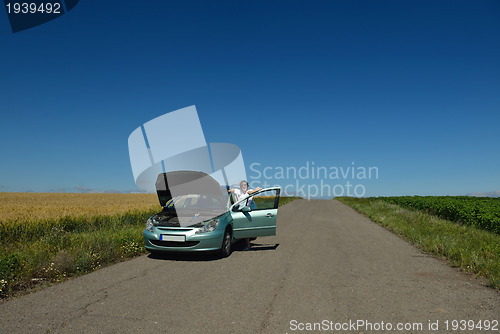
point(411, 87)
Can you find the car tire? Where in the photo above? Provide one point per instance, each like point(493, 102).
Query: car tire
point(226, 248)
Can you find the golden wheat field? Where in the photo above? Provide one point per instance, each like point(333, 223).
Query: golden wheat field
point(39, 206)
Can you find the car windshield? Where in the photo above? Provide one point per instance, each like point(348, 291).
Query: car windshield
point(196, 201)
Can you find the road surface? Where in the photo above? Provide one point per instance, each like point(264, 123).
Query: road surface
point(328, 265)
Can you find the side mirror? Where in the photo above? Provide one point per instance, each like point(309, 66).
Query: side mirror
point(246, 209)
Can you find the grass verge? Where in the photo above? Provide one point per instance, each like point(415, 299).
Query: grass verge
point(285, 200)
point(471, 249)
point(34, 254)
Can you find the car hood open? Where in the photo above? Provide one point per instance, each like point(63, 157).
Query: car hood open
point(178, 183)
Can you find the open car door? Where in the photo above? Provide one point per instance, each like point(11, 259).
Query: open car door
point(255, 215)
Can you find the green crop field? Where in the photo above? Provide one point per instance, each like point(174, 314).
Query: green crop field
point(481, 212)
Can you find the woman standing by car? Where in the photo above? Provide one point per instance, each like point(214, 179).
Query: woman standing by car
point(240, 194)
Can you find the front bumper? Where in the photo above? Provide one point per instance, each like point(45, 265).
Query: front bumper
point(195, 242)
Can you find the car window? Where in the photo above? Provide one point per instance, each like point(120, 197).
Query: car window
point(192, 201)
point(196, 201)
point(264, 201)
point(178, 202)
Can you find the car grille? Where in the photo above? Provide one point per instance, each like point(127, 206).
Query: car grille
point(174, 243)
point(174, 229)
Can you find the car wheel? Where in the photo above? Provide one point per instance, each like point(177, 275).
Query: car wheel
point(226, 248)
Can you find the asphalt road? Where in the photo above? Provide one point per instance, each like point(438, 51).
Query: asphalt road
point(326, 263)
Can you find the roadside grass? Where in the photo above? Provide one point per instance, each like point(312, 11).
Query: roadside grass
point(51, 251)
point(59, 243)
point(471, 249)
point(268, 201)
point(285, 200)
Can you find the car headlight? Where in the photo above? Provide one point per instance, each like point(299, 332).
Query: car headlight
point(149, 225)
point(209, 227)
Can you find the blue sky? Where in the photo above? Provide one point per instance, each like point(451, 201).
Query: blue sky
point(411, 87)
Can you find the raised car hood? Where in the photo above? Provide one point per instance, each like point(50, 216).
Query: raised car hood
point(172, 184)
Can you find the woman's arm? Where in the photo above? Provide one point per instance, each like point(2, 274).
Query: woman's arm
point(254, 190)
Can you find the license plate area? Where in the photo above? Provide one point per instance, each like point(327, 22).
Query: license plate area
point(173, 237)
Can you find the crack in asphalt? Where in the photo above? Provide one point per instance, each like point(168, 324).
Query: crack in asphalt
point(84, 309)
point(269, 310)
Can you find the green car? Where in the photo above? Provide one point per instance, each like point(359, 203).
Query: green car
point(203, 217)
